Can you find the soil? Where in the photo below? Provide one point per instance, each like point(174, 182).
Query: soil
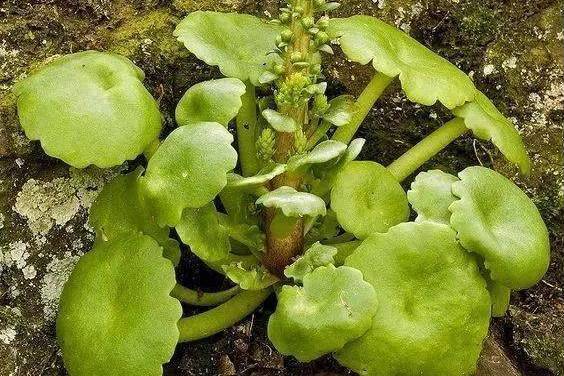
point(513, 49)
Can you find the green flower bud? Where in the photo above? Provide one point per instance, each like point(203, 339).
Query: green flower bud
point(296, 56)
point(266, 144)
point(315, 69)
point(284, 17)
point(320, 105)
point(307, 22)
point(300, 142)
point(278, 69)
point(286, 35)
point(323, 23)
point(321, 38)
point(299, 9)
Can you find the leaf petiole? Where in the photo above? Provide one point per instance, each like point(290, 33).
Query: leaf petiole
point(364, 104)
point(415, 157)
point(203, 299)
point(224, 316)
point(247, 132)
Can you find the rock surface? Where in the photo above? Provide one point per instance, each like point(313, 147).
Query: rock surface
point(513, 50)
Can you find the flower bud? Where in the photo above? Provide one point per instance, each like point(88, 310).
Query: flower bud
point(286, 35)
point(321, 38)
point(323, 23)
point(296, 56)
point(307, 22)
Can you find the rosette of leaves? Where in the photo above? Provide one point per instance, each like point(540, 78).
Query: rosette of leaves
point(385, 296)
point(89, 108)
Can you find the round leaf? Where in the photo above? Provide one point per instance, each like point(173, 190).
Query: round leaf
point(425, 76)
point(188, 170)
point(341, 110)
point(495, 219)
point(201, 231)
point(434, 307)
point(323, 152)
point(116, 314)
point(239, 44)
point(89, 108)
point(487, 123)
point(293, 203)
point(120, 210)
point(430, 196)
point(213, 101)
point(315, 256)
point(334, 306)
point(280, 122)
point(368, 199)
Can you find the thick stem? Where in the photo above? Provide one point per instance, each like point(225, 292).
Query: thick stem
point(415, 157)
point(364, 103)
point(247, 132)
point(219, 318)
point(203, 299)
point(281, 250)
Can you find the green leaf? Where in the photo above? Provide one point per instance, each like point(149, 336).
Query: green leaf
point(367, 199)
point(425, 76)
point(262, 177)
point(430, 196)
point(333, 307)
point(213, 101)
point(329, 173)
point(280, 122)
point(201, 231)
point(496, 220)
point(171, 251)
point(323, 152)
point(434, 307)
point(487, 123)
point(353, 150)
point(315, 256)
point(249, 235)
point(249, 277)
point(120, 210)
point(239, 205)
point(293, 203)
point(239, 44)
point(188, 170)
point(325, 228)
point(89, 108)
point(344, 250)
point(116, 315)
point(341, 110)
